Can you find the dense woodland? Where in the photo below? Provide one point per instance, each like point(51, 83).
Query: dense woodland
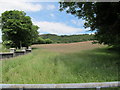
point(52, 38)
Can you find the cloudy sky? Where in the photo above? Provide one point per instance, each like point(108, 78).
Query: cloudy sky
point(47, 16)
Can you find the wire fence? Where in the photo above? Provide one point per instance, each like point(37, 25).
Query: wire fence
point(96, 86)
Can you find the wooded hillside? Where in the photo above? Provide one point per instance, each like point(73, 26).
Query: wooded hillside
point(68, 38)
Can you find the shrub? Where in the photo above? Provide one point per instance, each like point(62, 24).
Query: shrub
point(48, 41)
point(40, 41)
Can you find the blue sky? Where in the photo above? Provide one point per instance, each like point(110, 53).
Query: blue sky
point(47, 16)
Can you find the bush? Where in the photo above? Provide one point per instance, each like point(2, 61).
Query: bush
point(68, 38)
point(48, 41)
point(8, 44)
point(43, 41)
point(40, 40)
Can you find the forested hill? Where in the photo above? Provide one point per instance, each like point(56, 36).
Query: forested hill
point(68, 38)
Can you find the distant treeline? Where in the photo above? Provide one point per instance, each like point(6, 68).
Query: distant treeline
point(52, 38)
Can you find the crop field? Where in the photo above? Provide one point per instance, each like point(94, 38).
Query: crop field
point(69, 48)
point(62, 63)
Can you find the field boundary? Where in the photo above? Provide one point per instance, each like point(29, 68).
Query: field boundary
point(12, 54)
point(97, 85)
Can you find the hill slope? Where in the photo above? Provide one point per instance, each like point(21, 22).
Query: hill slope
point(68, 38)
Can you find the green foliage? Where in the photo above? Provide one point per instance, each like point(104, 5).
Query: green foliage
point(3, 48)
point(100, 16)
point(8, 44)
point(68, 38)
point(40, 40)
point(18, 29)
point(0, 47)
point(48, 41)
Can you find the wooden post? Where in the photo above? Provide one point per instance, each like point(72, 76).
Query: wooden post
point(20, 88)
point(97, 88)
point(12, 50)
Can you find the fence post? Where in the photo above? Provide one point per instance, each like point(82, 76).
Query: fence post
point(20, 88)
point(12, 50)
point(97, 88)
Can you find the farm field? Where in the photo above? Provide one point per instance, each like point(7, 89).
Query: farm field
point(62, 63)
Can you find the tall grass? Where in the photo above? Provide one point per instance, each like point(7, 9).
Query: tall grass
point(3, 49)
point(0, 47)
point(44, 66)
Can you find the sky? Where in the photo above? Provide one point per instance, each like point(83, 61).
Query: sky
point(47, 16)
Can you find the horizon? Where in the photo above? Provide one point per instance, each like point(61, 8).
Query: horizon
point(47, 16)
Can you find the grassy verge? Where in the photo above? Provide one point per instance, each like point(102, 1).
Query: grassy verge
point(44, 66)
point(3, 49)
point(0, 47)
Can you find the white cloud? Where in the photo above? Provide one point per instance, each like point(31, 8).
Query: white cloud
point(78, 22)
point(57, 28)
point(50, 7)
point(19, 5)
point(73, 21)
point(52, 15)
point(30, 0)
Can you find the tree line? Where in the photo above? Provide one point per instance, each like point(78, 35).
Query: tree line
point(53, 38)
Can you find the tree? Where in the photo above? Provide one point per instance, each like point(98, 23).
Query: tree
point(18, 29)
point(48, 41)
point(104, 17)
point(40, 40)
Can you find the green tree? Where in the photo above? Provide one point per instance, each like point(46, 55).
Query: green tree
point(40, 40)
point(18, 29)
point(104, 17)
point(48, 41)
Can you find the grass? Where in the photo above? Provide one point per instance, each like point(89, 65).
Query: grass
point(3, 49)
point(0, 47)
point(62, 63)
point(0, 72)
